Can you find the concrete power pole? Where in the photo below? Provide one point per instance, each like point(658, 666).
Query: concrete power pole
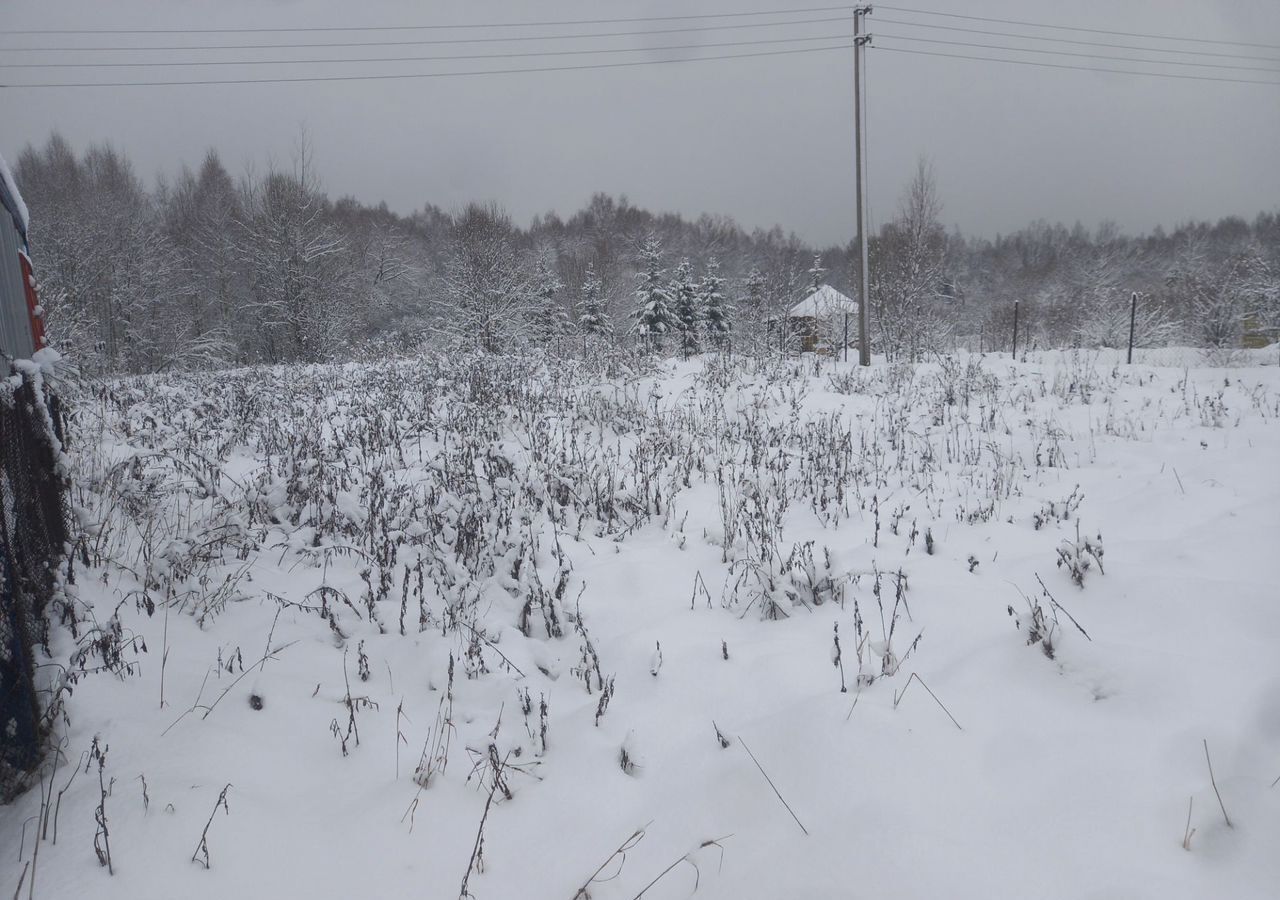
point(864, 294)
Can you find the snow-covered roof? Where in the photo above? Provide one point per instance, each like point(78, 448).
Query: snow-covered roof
point(825, 301)
point(12, 200)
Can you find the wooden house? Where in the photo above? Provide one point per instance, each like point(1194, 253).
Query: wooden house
point(824, 322)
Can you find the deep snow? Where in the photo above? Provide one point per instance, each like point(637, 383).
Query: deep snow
point(1065, 777)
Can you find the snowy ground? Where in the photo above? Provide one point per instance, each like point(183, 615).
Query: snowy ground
point(536, 534)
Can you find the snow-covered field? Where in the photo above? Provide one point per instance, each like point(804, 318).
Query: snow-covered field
point(503, 625)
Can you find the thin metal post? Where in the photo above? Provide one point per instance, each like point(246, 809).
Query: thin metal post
point(1015, 330)
point(1133, 318)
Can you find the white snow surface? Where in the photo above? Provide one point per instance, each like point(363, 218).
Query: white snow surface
point(979, 767)
point(6, 175)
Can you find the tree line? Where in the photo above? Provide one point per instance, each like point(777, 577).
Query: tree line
point(207, 269)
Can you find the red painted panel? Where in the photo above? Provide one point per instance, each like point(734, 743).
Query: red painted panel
point(33, 303)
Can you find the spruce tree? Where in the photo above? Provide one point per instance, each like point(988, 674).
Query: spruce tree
point(594, 320)
point(688, 309)
point(653, 315)
point(817, 274)
point(551, 319)
point(716, 311)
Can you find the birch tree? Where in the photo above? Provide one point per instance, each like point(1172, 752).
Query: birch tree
point(908, 272)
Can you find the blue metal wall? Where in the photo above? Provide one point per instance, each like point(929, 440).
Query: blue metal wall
point(15, 319)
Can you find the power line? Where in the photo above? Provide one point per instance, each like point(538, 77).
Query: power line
point(1058, 40)
point(1045, 65)
point(1138, 34)
point(419, 75)
point(403, 59)
point(429, 42)
point(1132, 59)
point(526, 24)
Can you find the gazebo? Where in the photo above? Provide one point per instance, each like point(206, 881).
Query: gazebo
point(824, 321)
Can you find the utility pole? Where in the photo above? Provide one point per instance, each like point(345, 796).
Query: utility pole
point(864, 297)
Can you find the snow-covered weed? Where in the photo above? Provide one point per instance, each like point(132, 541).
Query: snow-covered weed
point(1077, 557)
point(451, 507)
point(1058, 510)
point(1041, 623)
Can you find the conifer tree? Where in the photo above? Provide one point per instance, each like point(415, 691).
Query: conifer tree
point(551, 319)
point(594, 320)
point(688, 309)
point(717, 313)
point(754, 311)
point(817, 274)
point(653, 315)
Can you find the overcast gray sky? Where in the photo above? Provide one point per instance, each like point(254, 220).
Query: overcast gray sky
point(765, 140)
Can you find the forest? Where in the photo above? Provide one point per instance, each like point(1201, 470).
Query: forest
point(208, 269)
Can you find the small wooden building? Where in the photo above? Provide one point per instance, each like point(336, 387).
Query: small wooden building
point(824, 322)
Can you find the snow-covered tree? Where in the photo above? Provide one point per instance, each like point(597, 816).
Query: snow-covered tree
point(687, 308)
point(112, 284)
point(1092, 303)
point(753, 311)
point(1263, 320)
point(594, 320)
point(653, 316)
point(550, 317)
point(1223, 298)
point(201, 212)
point(389, 275)
point(817, 274)
point(717, 313)
point(908, 273)
point(207, 270)
point(299, 268)
point(484, 282)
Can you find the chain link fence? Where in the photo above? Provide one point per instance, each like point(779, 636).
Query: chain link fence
point(33, 537)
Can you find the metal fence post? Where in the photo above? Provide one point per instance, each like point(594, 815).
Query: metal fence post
point(1015, 330)
point(1133, 318)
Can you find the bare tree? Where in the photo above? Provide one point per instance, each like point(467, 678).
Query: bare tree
point(109, 273)
point(207, 271)
point(1102, 279)
point(908, 274)
point(200, 221)
point(487, 288)
point(1220, 298)
point(301, 306)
